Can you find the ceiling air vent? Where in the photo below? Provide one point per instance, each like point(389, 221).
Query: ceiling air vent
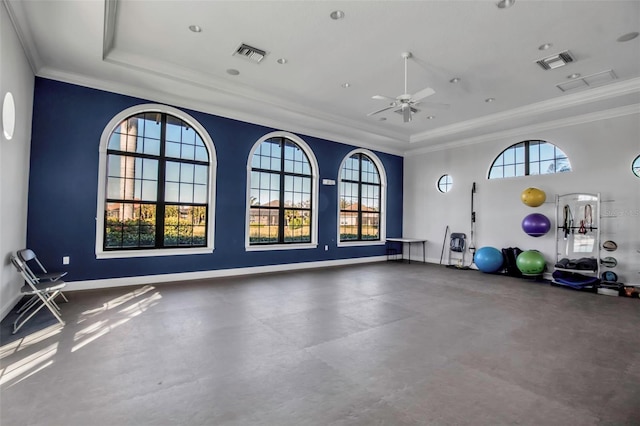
point(556, 61)
point(593, 80)
point(251, 53)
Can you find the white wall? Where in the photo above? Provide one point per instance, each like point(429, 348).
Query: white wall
point(16, 77)
point(600, 152)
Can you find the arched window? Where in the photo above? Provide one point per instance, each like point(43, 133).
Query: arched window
point(157, 166)
point(282, 194)
point(361, 198)
point(529, 158)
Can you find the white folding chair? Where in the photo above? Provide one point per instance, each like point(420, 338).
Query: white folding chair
point(42, 294)
point(41, 274)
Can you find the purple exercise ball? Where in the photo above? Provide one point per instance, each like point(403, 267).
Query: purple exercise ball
point(536, 224)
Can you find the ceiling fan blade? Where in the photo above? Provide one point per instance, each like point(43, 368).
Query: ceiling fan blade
point(381, 110)
point(406, 113)
point(434, 105)
point(383, 98)
point(423, 93)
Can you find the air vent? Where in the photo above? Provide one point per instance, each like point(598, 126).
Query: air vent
point(251, 53)
point(593, 80)
point(556, 61)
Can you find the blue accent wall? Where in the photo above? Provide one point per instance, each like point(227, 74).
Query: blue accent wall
point(68, 121)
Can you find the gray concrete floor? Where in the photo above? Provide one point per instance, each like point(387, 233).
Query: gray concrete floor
point(377, 344)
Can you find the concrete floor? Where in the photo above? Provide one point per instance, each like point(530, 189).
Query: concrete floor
point(377, 344)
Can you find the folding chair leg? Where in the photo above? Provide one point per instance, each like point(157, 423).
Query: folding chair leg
point(45, 302)
point(25, 307)
point(64, 297)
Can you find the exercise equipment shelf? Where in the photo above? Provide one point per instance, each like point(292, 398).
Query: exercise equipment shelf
point(578, 236)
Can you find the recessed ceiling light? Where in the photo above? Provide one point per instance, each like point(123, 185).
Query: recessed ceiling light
point(337, 14)
point(431, 117)
point(195, 28)
point(574, 75)
point(232, 71)
point(545, 46)
point(503, 4)
point(282, 61)
point(628, 36)
point(454, 80)
point(489, 100)
point(346, 85)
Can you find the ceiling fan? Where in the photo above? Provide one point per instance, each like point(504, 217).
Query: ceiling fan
point(406, 101)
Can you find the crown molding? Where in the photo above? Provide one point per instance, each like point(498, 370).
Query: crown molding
point(596, 94)
point(24, 36)
point(293, 121)
point(534, 128)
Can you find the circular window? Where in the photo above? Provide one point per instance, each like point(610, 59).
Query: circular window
point(635, 166)
point(8, 116)
point(445, 183)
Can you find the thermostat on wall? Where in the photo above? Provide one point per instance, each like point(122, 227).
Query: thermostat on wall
point(328, 182)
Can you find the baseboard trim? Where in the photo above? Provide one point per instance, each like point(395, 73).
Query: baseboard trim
point(220, 273)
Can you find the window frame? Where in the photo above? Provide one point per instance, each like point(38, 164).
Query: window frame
point(382, 229)
point(100, 252)
point(527, 162)
point(313, 163)
point(447, 184)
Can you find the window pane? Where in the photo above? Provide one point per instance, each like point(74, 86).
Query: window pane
point(200, 174)
point(186, 173)
point(534, 151)
point(174, 129)
point(172, 190)
point(263, 225)
point(297, 226)
point(149, 169)
point(172, 149)
point(520, 154)
point(129, 225)
point(496, 172)
point(370, 226)
point(200, 194)
point(547, 151)
point(547, 167)
point(152, 125)
point(348, 226)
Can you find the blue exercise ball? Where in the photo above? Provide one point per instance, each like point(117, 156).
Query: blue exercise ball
point(536, 224)
point(488, 259)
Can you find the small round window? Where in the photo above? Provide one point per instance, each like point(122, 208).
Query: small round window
point(445, 183)
point(635, 166)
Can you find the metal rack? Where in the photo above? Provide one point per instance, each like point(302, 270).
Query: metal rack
point(578, 233)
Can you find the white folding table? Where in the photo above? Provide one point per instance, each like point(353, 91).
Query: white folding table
point(410, 241)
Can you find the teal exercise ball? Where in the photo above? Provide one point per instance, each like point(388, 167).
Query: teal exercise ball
point(488, 259)
point(530, 262)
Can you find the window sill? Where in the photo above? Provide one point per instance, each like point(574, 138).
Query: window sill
point(121, 254)
point(361, 243)
point(272, 247)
